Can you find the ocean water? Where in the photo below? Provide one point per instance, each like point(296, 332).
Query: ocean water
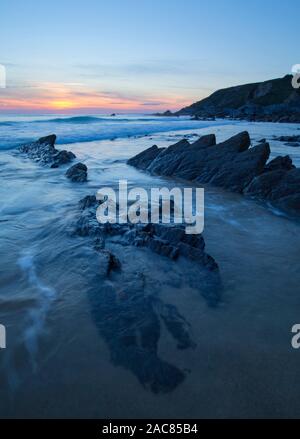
point(62, 359)
point(69, 129)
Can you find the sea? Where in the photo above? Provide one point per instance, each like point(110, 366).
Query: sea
point(63, 356)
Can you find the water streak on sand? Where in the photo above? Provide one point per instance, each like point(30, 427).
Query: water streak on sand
point(36, 315)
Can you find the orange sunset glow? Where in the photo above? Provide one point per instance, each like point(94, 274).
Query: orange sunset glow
point(55, 97)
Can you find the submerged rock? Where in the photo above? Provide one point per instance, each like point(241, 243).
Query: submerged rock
point(108, 262)
point(293, 144)
point(77, 173)
point(125, 303)
point(293, 141)
point(88, 201)
point(295, 138)
point(44, 152)
point(129, 320)
point(168, 240)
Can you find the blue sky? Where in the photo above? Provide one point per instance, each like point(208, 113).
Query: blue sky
point(139, 55)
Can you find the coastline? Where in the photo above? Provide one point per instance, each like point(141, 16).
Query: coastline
point(257, 298)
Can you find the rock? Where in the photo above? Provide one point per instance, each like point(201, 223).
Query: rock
point(279, 162)
point(262, 141)
point(172, 160)
point(127, 308)
point(231, 165)
point(295, 138)
point(44, 152)
point(237, 173)
point(168, 240)
point(77, 173)
point(131, 323)
point(261, 186)
point(280, 187)
point(50, 140)
point(88, 201)
point(271, 101)
point(62, 157)
point(288, 185)
point(289, 204)
point(143, 160)
point(108, 262)
point(203, 142)
point(293, 144)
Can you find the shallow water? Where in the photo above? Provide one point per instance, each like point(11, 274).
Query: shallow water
point(230, 360)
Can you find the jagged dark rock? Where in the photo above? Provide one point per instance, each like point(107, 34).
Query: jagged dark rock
point(169, 161)
point(284, 163)
point(280, 187)
point(44, 152)
point(77, 172)
point(125, 300)
point(293, 141)
point(168, 240)
point(62, 157)
point(88, 201)
point(231, 165)
point(143, 159)
point(295, 138)
point(293, 144)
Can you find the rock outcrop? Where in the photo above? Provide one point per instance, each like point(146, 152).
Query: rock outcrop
point(126, 304)
point(281, 187)
point(77, 173)
point(44, 152)
point(270, 101)
point(231, 165)
point(167, 240)
point(289, 140)
point(125, 300)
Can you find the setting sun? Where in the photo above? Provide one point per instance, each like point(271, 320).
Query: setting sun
point(62, 104)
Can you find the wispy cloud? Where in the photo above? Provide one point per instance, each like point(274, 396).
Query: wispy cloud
point(52, 96)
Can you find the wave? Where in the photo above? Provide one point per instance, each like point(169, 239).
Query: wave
point(74, 119)
point(77, 120)
point(80, 129)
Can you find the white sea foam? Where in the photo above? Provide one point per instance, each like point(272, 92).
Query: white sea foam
point(15, 131)
point(36, 315)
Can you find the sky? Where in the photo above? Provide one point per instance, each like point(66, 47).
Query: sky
point(97, 56)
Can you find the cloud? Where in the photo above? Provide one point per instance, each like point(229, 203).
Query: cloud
point(57, 96)
point(145, 68)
